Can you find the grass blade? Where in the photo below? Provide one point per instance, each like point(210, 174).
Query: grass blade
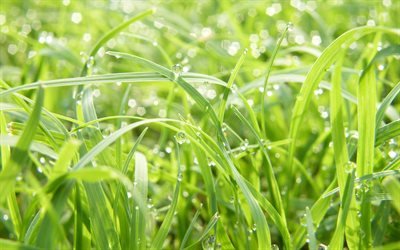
point(231, 80)
point(162, 233)
point(19, 156)
point(312, 241)
point(191, 226)
point(111, 34)
point(327, 58)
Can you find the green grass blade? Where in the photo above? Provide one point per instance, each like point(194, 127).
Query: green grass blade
point(392, 185)
point(132, 77)
point(15, 245)
point(350, 223)
point(275, 217)
point(109, 140)
point(312, 241)
point(66, 156)
point(111, 34)
point(366, 141)
point(208, 228)
point(98, 174)
point(389, 131)
point(162, 233)
point(263, 233)
point(269, 69)
point(341, 225)
point(390, 246)
point(385, 104)
point(314, 76)
point(318, 211)
point(231, 80)
point(140, 191)
point(19, 156)
point(190, 228)
point(269, 172)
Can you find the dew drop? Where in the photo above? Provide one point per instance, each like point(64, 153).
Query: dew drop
point(322, 247)
point(274, 247)
point(244, 144)
point(76, 17)
point(392, 154)
point(211, 163)
point(180, 177)
point(349, 167)
point(303, 220)
point(42, 160)
point(132, 103)
point(180, 137)
point(177, 69)
point(290, 26)
point(90, 62)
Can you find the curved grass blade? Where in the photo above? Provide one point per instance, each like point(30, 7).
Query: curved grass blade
point(327, 58)
point(132, 77)
point(12, 203)
point(269, 69)
point(275, 216)
point(19, 156)
point(109, 140)
point(387, 132)
point(386, 103)
point(65, 157)
point(111, 34)
point(263, 233)
point(98, 174)
point(269, 172)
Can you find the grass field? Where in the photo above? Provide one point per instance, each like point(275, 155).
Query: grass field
point(199, 124)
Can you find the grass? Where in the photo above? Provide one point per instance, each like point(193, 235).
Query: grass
point(215, 125)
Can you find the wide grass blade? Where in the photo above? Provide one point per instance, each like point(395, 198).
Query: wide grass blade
point(140, 213)
point(315, 75)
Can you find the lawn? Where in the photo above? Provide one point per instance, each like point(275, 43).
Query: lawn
point(199, 124)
